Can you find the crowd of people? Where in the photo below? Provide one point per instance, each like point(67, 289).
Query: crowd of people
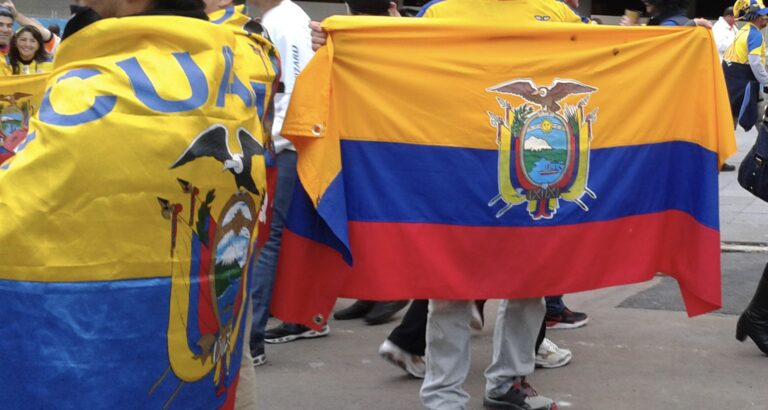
point(436, 332)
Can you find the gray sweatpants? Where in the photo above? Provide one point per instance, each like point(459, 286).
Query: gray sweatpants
point(448, 354)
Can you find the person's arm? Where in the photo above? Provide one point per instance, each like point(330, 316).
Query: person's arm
point(699, 22)
point(755, 55)
point(27, 21)
point(758, 69)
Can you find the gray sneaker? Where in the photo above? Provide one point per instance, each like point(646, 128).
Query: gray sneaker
point(521, 396)
point(534, 401)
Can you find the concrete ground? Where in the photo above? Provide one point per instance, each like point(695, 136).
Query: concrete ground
point(639, 350)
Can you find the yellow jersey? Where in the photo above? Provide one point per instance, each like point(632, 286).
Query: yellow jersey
point(33, 68)
point(514, 11)
point(749, 41)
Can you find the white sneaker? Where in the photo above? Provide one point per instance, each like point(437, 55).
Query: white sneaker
point(411, 363)
point(550, 356)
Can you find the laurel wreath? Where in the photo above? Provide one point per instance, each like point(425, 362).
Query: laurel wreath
point(521, 115)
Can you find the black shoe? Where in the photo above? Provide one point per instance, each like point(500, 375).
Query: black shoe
point(727, 167)
point(288, 332)
point(356, 311)
point(383, 311)
point(754, 321)
point(567, 319)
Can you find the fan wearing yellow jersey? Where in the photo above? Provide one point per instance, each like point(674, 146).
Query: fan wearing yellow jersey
point(27, 54)
point(744, 62)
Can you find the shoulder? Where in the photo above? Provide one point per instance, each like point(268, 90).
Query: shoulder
point(286, 18)
point(754, 38)
point(286, 11)
point(561, 12)
point(675, 21)
point(430, 8)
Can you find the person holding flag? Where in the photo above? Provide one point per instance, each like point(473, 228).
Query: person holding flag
point(133, 262)
point(518, 321)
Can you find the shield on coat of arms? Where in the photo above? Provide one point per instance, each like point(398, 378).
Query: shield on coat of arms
point(546, 142)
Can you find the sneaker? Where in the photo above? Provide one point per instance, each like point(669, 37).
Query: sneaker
point(550, 356)
point(411, 363)
point(478, 316)
point(356, 310)
point(521, 396)
point(382, 312)
point(259, 358)
point(566, 320)
point(534, 401)
point(727, 167)
point(288, 332)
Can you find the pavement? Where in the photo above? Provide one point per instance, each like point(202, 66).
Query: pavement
point(639, 350)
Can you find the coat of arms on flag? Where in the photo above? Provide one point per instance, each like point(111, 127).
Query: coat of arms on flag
point(544, 153)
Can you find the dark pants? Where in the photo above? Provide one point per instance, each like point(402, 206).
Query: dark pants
point(410, 334)
point(541, 336)
point(555, 305)
point(743, 91)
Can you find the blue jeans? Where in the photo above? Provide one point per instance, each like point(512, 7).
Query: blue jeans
point(555, 305)
point(263, 271)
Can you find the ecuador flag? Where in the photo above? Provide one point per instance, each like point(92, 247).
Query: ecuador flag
point(19, 98)
point(456, 160)
point(128, 218)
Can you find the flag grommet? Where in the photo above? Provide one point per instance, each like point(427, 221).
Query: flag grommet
point(318, 319)
point(317, 129)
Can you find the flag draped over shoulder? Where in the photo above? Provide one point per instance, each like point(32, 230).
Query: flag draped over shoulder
point(19, 98)
point(128, 216)
point(445, 159)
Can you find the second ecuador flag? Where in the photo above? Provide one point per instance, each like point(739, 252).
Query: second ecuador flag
point(452, 160)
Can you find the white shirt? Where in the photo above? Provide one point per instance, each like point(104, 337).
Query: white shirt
point(724, 34)
point(288, 28)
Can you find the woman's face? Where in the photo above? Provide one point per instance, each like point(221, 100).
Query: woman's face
point(27, 45)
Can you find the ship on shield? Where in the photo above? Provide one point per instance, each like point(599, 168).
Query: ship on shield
point(544, 152)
